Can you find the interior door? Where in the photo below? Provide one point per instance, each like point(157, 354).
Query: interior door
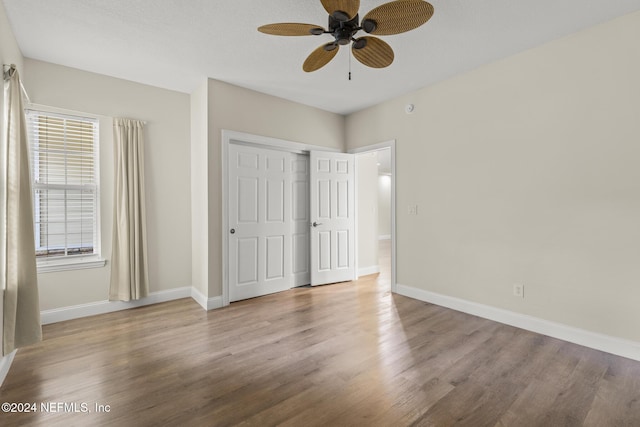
point(332, 217)
point(300, 218)
point(259, 222)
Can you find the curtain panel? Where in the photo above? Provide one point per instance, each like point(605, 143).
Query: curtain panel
point(129, 271)
point(21, 311)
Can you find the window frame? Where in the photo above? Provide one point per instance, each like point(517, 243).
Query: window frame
point(75, 261)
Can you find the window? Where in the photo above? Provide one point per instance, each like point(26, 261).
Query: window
point(64, 163)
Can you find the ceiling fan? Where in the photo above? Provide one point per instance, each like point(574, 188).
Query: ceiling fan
point(390, 18)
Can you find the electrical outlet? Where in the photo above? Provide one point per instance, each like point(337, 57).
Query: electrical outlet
point(413, 209)
point(518, 290)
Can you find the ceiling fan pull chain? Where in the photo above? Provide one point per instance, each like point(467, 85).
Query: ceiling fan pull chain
point(349, 64)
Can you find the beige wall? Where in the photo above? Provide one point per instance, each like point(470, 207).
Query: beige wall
point(167, 174)
point(199, 189)
point(367, 223)
point(384, 205)
point(526, 171)
point(243, 110)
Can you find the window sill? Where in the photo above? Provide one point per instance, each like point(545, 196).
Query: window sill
point(51, 266)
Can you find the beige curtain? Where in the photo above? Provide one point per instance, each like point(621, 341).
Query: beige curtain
point(129, 272)
point(21, 314)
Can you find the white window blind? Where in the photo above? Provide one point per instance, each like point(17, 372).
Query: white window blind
point(65, 186)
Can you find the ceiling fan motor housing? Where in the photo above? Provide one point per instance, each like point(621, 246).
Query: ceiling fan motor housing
point(343, 31)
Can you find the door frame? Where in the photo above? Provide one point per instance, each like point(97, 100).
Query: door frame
point(242, 138)
point(391, 144)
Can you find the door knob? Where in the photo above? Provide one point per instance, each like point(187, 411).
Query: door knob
point(315, 224)
point(232, 231)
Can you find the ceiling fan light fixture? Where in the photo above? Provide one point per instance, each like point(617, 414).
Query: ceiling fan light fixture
point(369, 25)
point(359, 43)
point(330, 46)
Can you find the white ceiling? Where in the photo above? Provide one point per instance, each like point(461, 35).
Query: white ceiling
point(177, 44)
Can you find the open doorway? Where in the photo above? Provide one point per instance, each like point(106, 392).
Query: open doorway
point(384, 213)
point(376, 212)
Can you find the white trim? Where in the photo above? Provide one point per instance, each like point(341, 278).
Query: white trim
point(233, 137)
point(356, 262)
point(5, 365)
point(69, 263)
point(64, 111)
point(226, 140)
point(102, 307)
point(206, 303)
point(607, 343)
point(384, 237)
point(365, 271)
point(375, 147)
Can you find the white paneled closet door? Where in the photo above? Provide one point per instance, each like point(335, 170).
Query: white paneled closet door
point(260, 221)
point(332, 187)
point(300, 219)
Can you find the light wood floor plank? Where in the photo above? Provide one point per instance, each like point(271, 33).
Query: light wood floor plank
point(348, 354)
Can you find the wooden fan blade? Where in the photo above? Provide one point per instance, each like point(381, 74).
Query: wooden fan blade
point(398, 16)
point(375, 54)
point(319, 58)
point(350, 7)
point(289, 29)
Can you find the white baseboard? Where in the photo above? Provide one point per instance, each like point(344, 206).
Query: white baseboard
point(5, 364)
point(102, 307)
point(365, 271)
point(206, 303)
point(609, 344)
point(384, 237)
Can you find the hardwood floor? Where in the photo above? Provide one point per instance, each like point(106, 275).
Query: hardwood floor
point(344, 354)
